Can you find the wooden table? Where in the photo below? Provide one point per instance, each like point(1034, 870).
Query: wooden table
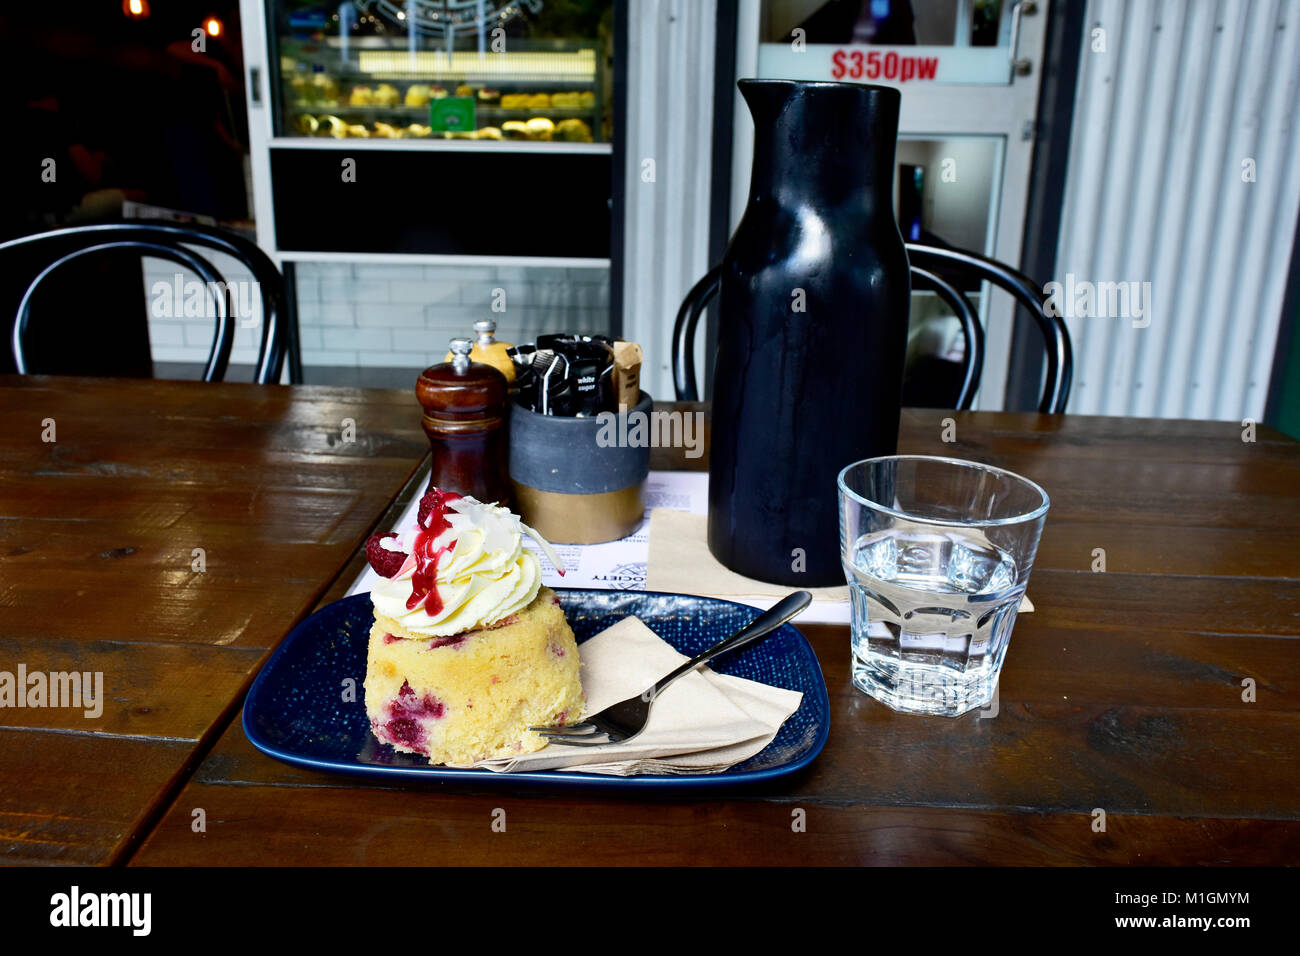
point(167, 537)
point(1122, 692)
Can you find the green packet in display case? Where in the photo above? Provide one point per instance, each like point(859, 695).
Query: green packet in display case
point(452, 114)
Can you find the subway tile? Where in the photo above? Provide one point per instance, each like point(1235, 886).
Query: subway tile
point(344, 289)
point(336, 314)
point(424, 291)
point(172, 353)
point(495, 295)
point(324, 270)
point(166, 333)
point(328, 357)
point(247, 340)
point(368, 359)
point(415, 341)
point(419, 341)
point(200, 333)
point(589, 296)
point(375, 270)
point(455, 273)
point(444, 325)
point(529, 273)
point(405, 316)
point(596, 275)
point(338, 339)
point(308, 289)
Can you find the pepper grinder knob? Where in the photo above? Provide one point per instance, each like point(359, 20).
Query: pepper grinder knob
point(460, 349)
point(486, 331)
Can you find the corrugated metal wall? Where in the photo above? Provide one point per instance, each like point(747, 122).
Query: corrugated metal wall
point(1188, 101)
point(670, 122)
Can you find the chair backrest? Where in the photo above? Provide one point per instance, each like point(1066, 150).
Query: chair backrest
point(927, 264)
point(167, 240)
point(1056, 337)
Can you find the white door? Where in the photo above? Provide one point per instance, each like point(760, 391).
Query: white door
point(969, 74)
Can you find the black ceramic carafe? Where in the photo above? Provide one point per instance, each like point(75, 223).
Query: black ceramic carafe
point(813, 309)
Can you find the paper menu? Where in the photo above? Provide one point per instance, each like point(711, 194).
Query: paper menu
point(621, 564)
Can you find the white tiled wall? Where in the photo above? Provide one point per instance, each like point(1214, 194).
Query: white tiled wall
point(180, 339)
point(399, 316)
point(404, 316)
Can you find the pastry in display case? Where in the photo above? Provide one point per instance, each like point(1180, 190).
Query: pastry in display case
point(369, 69)
point(372, 134)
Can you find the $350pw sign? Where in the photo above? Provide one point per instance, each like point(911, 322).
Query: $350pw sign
point(891, 65)
point(859, 64)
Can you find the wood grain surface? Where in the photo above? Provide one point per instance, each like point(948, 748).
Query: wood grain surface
point(1122, 694)
point(101, 535)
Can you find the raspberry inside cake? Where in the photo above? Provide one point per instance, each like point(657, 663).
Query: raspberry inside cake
point(464, 698)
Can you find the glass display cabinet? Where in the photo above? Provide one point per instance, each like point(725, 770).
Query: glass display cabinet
point(433, 128)
point(466, 70)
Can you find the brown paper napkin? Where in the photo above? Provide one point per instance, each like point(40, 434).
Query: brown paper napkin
point(680, 562)
point(703, 723)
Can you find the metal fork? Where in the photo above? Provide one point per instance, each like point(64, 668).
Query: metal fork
point(624, 720)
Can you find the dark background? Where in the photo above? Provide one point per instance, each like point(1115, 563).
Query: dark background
point(126, 109)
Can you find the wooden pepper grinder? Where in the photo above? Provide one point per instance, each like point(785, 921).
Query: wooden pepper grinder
point(464, 406)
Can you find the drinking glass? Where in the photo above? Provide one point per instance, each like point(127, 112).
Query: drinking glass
point(937, 553)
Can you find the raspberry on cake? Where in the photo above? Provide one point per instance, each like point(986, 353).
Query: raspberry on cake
point(468, 650)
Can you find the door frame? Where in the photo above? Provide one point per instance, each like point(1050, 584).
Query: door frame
point(932, 111)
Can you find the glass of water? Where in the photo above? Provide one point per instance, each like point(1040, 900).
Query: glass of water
point(937, 553)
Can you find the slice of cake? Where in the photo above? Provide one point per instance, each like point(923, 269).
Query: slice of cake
point(468, 650)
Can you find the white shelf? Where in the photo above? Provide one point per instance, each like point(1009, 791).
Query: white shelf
point(436, 259)
point(555, 147)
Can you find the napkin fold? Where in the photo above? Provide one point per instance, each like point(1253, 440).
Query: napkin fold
point(703, 723)
point(680, 562)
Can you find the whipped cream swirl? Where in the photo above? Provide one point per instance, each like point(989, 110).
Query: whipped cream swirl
point(481, 572)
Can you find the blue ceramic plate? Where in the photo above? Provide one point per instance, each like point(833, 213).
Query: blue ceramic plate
point(295, 710)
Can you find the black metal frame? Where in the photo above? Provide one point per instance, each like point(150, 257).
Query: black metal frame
point(1060, 71)
point(720, 179)
point(618, 165)
point(972, 332)
point(1056, 337)
point(168, 240)
point(223, 339)
point(926, 264)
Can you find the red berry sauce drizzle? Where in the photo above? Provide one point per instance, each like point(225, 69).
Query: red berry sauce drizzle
point(424, 579)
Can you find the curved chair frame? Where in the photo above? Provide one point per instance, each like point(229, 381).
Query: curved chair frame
point(688, 318)
point(972, 332)
point(168, 240)
point(222, 340)
point(1056, 337)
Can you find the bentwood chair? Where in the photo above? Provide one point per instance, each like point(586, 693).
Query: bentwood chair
point(41, 256)
point(944, 271)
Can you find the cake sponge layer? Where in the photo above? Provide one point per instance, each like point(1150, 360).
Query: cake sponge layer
point(461, 699)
